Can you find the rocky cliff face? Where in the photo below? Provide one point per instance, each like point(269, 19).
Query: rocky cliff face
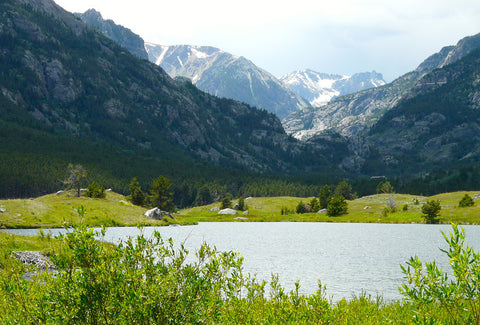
point(225, 75)
point(121, 35)
point(321, 88)
point(73, 80)
point(437, 123)
point(351, 115)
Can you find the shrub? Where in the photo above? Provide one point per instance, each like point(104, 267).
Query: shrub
point(391, 204)
point(241, 204)
point(431, 210)
point(385, 187)
point(226, 203)
point(301, 208)
point(137, 196)
point(95, 190)
point(345, 189)
point(337, 206)
point(325, 196)
point(427, 286)
point(315, 204)
point(466, 201)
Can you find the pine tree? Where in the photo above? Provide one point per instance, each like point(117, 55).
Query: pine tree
point(137, 196)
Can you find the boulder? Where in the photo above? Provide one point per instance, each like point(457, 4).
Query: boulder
point(215, 209)
point(41, 261)
point(241, 218)
point(476, 196)
point(60, 192)
point(236, 206)
point(367, 207)
point(322, 211)
point(157, 214)
point(246, 212)
point(2, 210)
point(227, 211)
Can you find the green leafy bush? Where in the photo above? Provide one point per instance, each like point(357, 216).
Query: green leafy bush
point(466, 201)
point(95, 191)
point(301, 208)
point(428, 287)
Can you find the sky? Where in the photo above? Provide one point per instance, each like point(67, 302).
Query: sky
point(391, 37)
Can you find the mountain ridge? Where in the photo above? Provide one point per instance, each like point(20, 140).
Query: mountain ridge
point(226, 75)
point(320, 88)
point(353, 114)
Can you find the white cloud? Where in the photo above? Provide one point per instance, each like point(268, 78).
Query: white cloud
point(340, 36)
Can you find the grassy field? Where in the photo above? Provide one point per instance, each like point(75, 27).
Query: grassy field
point(366, 209)
point(55, 210)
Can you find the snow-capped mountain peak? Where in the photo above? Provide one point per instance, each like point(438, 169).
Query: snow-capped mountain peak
point(321, 88)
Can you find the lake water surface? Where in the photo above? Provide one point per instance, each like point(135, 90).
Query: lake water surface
point(348, 257)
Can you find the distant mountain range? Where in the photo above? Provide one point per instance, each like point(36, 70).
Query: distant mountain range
point(225, 75)
point(72, 79)
point(320, 88)
point(68, 93)
point(353, 114)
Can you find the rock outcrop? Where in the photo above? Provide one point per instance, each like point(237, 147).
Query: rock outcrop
point(157, 214)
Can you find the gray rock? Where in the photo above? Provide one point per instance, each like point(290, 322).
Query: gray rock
point(322, 211)
point(245, 212)
point(227, 211)
point(157, 214)
point(236, 206)
point(35, 258)
point(3, 210)
point(476, 196)
point(60, 192)
point(215, 209)
point(367, 207)
point(241, 218)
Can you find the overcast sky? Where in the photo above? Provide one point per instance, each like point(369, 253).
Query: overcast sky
point(281, 36)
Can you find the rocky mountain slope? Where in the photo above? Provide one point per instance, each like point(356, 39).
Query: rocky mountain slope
point(320, 88)
point(69, 79)
point(352, 114)
point(437, 123)
point(121, 35)
point(225, 75)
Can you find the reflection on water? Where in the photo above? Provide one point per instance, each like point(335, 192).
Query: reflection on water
point(348, 258)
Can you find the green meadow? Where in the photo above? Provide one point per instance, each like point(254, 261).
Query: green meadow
point(115, 210)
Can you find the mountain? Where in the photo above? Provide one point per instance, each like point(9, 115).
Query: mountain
point(320, 88)
point(437, 122)
point(225, 75)
point(353, 114)
point(121, 35)
point(68, 93)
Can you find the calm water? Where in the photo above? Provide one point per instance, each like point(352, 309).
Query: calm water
point(348, 258)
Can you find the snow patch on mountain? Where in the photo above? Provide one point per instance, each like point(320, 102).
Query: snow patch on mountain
point(320, 88)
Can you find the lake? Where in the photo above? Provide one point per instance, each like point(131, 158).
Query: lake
point(349, 258)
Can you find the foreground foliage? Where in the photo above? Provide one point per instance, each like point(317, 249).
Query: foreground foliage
point(427, 285)
point(152, 281)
